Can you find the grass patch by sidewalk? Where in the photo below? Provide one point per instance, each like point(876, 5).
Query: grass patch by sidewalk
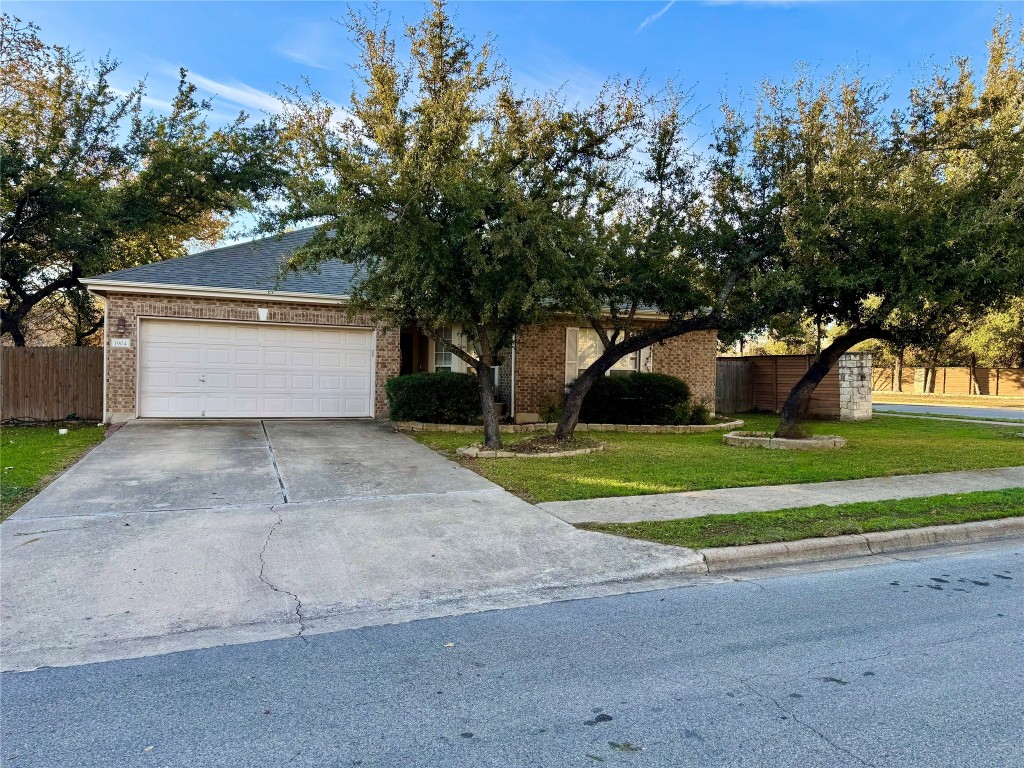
point(30, 456)
point(635, 464)
point(821, 520)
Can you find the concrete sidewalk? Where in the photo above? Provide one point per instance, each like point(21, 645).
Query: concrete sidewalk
point(727, 501)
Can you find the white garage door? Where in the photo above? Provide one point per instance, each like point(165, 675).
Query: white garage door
point(230, 370)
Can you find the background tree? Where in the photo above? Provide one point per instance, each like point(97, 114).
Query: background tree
point(894, 225)
point(458, 200)
point(691, 241)
point(90, 183)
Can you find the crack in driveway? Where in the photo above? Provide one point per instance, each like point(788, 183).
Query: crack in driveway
point(273, 587)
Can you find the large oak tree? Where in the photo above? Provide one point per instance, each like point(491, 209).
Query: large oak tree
point(460, 201)
point(89, 182)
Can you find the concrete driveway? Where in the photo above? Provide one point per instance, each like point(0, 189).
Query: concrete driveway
point(181, 535)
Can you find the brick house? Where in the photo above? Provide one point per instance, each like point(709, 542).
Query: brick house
point(217, 335)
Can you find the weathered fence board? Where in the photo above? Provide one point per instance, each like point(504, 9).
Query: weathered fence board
point(954, 380)
point(769, 379)
point(734, 386)
point(51, 383)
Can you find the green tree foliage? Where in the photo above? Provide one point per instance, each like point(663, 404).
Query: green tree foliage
point(459, 201)
point(91, 183)
point(691, 241)
point(897, 224)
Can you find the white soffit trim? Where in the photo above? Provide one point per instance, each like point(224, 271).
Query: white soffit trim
point(168, 289)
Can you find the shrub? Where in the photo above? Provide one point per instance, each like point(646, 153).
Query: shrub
point(699, 414)
point(434, 398)
point(551, 409)
point(637, 398)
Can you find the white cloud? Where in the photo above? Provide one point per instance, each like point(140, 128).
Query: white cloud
point(316, 45)
point(655, 16)
point(553, 71)
point(238, 93)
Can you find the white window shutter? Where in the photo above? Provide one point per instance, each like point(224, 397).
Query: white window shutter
point(458, 364)
point(647, 359)
point(572, 340)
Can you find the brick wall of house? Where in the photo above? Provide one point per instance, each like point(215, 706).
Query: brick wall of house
point(123, 310)
point(540, 365)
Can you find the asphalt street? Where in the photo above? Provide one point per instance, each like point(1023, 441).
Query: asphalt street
point(995, 414)
point(907, 663)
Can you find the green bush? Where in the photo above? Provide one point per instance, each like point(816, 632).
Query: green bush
point(699, 414)
point(435, 398)
point(637, 398)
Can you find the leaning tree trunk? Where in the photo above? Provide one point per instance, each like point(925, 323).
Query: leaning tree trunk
point(794, 411)
point(492, 430)
point(574, 400)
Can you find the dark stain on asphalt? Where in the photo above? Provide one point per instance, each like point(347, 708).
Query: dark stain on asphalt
point(466, 734)
point(623, 746)
point(869, 673)
point(691, 734)
point(940, 581)
point(796, 695)
point(1000, 576)
point(836, 680)
point(934, 586)
point(894, 583)
point(602, 718)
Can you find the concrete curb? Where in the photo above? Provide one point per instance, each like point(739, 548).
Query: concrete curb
point(720, 559)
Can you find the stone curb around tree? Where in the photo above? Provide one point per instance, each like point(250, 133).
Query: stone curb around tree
point(477, 452)
point(719, 559)
point(660, 429)
point(765, 440)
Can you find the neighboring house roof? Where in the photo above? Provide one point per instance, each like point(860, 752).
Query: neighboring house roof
point(252, 266)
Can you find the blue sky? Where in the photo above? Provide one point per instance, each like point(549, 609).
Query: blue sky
point(242, 52)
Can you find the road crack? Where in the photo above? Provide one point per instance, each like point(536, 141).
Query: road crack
point(273, 587)
point(806, 725)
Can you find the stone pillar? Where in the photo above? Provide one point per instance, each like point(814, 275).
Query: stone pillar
point(855, 386)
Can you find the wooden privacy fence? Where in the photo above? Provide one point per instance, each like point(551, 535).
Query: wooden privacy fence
point(953, 380)
point(763, 382)
point(51, 383)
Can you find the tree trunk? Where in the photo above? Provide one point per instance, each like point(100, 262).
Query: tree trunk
point(794, 411)
point(897, 384)
point(574, 400)
point(12, 326)
point(492, 430)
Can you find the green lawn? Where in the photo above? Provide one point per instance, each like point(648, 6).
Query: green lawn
point(31, 455)
point(637, 464)
point(821, 520)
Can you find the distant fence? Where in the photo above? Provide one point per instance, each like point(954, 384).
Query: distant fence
point(763, 382)
point(952, 380)
point(51, 383)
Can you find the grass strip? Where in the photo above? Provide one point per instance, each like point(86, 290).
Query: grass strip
point(822, 520)
point(31, 456)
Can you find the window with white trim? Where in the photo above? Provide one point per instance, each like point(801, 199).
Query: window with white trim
point(443, 356)
point(589, 348)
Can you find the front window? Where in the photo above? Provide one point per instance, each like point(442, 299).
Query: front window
point(589, 348)
point(443, 357)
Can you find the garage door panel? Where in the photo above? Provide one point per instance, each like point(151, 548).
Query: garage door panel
point(196, 369)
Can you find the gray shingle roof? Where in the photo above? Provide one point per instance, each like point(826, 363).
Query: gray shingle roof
point(253, 266)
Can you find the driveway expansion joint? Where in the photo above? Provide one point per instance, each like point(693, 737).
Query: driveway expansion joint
point(273, 461)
